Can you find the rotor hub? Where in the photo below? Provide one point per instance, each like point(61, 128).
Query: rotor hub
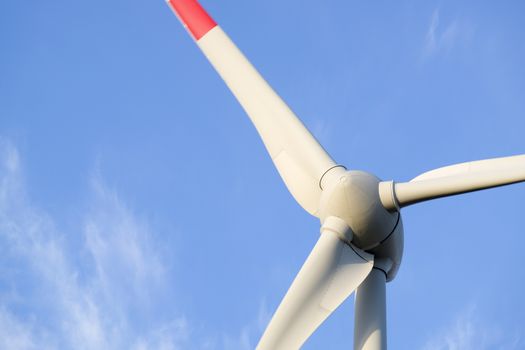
point(353, 196)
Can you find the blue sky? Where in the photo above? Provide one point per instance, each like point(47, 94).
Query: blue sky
point(139, 209)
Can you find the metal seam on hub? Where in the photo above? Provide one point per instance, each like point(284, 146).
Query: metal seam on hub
point(380, 269)
point(367, 249)
point(326, 172)
point(355, 251)
point(393, 230)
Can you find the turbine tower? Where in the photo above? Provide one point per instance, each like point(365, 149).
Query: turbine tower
point(361, 243)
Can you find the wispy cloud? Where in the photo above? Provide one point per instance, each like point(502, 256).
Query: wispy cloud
point(165, 337)
point(470, 331)
point(15, 335)
point(252, 331)
point(246, 338)
point(322, 130)
point(105, 284)
point(442, 36)
point(50, 298)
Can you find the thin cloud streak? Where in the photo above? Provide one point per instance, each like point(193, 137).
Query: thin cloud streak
point(15, 335)
point(52, 302)
point(105, 292)
point(469, 331)
point(443, 37)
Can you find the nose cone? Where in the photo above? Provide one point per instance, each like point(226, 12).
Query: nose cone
point(354, 197)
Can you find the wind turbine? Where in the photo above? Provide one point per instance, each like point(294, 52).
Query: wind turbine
point(361, 242)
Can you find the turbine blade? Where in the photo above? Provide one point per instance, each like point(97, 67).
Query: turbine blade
point(457, 179)
point(299, 158)
point(370, 312)
point(329, 275)
point(502, 164)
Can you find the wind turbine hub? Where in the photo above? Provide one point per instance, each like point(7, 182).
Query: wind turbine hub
point(353, 196)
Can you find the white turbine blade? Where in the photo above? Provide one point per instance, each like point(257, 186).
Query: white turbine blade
point(330, 274)
point(457, 179)
point(299, 158)
point(370, 313)
point(502, 164)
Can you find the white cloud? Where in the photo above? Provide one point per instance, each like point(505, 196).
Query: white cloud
point(442, 37)
point(239, 342)
point(50, 297)
point(322, 131)
point(15, 335)
point(469, 331)
point(264, 316)
point(105, 284)
point(249, 335)
point(165, 337)
point(121, 249)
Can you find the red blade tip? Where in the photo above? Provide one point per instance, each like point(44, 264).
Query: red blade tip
point(193, 16)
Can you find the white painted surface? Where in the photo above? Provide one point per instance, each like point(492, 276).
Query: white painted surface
point(370, 313)
point(329, 275)
point(299, 158)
